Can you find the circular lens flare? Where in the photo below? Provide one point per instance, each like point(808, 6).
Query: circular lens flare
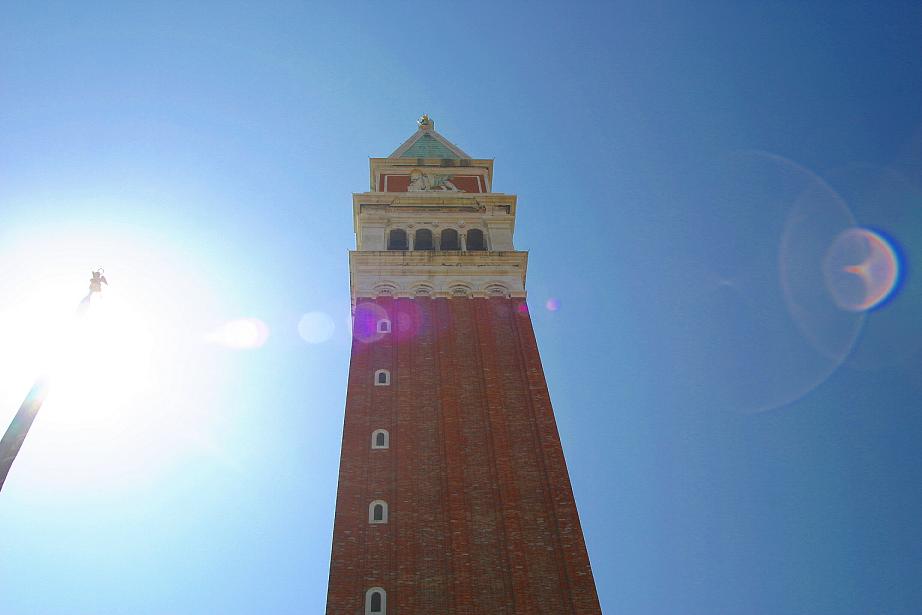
point(241, 334)
point(316, 327)
point(887, 201)
point(861, 270)
point(365, 321)
point(816, 221)
point(752, 312)
point(552, 304)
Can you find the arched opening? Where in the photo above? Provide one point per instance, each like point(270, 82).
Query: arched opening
point(397, 240)
point(375, 601)
point(384, 326)
point(475, 240)
point(449, 240)
point(379, 439)
point(382, 378)
point(423, 240)
point(377, 512)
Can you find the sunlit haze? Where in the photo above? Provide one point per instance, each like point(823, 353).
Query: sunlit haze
point(115, 372)
point(722, 208)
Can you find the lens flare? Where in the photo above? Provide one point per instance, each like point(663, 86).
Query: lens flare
point(816, 222)
point(365, 322)
point(861, 270)
point(552, 304)
point(751, 310)
point(124, 377)
point(887, 201)
point(316, 327)
point(241, 334)
point(411, 319)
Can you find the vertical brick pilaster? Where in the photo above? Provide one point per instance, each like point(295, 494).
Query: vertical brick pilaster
point(455, 460)
point(510, 508)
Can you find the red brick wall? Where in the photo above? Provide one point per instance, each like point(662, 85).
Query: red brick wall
point(481, 513)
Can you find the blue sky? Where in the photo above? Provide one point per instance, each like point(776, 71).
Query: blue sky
point(673, 162)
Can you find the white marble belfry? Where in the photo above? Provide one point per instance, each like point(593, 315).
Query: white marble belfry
point(473, 267)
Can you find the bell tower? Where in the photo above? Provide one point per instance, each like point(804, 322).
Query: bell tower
point(453, 496)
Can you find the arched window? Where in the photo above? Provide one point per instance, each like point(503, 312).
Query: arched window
point(375, 601)
point(382, 378)
point(380, 439)
point(377, 512)
point(423, 240)
point(385, 290)
point(475, 240)
point(397, 240)
point(384, 326)
point(449, 240)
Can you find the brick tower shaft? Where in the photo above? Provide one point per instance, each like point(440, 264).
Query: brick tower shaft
point(454, 496)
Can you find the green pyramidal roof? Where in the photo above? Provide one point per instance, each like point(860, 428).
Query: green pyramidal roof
point(428, 147)
point(427, 143)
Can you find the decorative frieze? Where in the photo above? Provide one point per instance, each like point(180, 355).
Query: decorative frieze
point(437, 274)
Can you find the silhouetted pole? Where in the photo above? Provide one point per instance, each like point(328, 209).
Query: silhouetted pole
point(19, 427)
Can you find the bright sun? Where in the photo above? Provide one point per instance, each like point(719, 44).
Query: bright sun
point(105, 356)
point(133, 383)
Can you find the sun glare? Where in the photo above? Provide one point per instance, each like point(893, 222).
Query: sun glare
point(133, 381)
point(240, 333)
point(103, 357)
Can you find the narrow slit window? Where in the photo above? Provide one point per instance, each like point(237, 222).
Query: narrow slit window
point(384, 326)
point(377, 512)
point(380, 439)
point(375, 601)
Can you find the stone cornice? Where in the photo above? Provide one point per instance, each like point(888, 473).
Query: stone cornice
point(437, 273)
point(367, 206)
point(440, 198)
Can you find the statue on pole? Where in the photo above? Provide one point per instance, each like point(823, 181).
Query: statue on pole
point(19, 427)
